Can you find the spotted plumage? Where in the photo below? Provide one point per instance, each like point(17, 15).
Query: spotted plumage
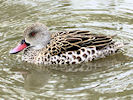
point(68, 47)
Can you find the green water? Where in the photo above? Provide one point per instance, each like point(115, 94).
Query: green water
point(109, 78)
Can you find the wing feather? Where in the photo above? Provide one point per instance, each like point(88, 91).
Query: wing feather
point(73, 40)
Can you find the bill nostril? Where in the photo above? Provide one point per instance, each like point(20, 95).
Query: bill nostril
point(24, 42)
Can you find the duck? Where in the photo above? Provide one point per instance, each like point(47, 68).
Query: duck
point(40, 46)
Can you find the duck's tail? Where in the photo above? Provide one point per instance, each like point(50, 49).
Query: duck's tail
point(120, 45)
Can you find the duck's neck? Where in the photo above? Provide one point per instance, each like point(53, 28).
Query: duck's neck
point(38, 47)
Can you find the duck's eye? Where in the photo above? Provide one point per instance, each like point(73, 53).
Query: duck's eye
point(32, 34)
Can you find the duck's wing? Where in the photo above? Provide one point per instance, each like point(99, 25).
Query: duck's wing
point(73, 40)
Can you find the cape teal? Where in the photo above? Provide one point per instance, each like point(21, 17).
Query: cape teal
point(68, 47)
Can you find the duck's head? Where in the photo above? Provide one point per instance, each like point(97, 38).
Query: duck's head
point(35, 36)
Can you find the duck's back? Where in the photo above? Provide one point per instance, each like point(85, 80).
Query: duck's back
point(62, 42)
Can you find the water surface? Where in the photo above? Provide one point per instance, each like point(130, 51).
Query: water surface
point(104, 79)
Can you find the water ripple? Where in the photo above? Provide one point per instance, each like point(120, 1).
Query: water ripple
point(109, 78)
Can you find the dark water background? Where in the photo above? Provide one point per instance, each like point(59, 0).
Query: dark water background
point(110, 78)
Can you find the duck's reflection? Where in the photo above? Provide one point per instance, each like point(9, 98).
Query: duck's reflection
point(36, 77)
